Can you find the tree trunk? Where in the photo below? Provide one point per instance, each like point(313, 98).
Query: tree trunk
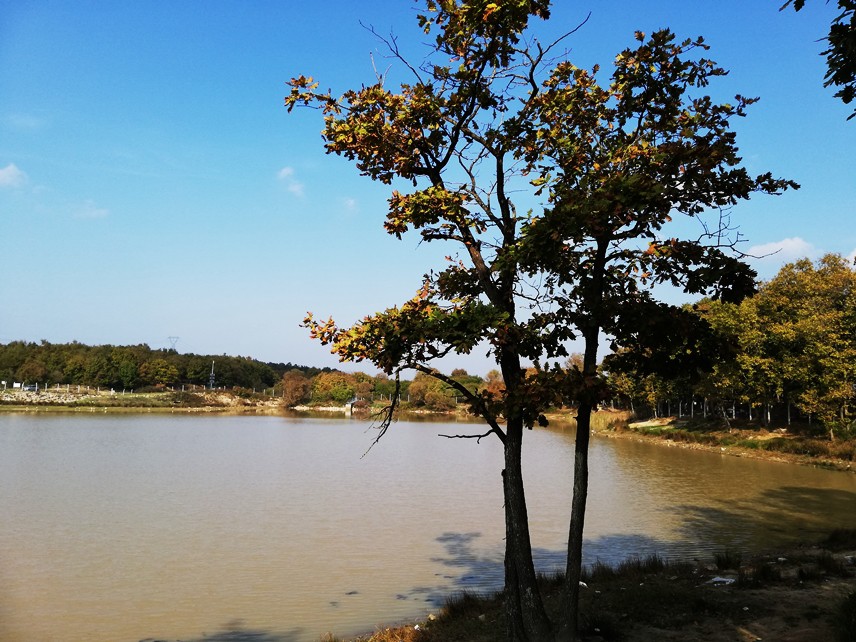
point(573, 570)
point(527, 619)
point(589, 397)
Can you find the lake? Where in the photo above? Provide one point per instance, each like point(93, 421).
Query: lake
point(174, 527)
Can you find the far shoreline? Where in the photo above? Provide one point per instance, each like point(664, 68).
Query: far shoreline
point(671, 432)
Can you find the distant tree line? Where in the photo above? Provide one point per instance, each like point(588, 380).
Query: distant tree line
point(133, 367)
point(336, 388)
point(787, 353)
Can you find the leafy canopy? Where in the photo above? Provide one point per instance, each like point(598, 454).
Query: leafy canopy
point(612, 164)
point(841, 50)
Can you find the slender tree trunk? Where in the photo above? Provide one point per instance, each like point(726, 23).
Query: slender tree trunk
point(573, 570)
point(589, 397)
point(527, 618)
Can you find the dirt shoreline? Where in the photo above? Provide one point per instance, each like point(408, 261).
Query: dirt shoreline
point(729, 450)
point(59, 401)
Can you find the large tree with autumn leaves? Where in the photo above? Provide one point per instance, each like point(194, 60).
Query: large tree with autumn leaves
point(492, 122)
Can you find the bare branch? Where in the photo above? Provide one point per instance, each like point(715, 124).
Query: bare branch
point(478, 438)
point(392, 44)
point(384, 417)
point(477, 402)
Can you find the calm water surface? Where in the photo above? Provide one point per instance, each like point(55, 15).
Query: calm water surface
point(122, 528)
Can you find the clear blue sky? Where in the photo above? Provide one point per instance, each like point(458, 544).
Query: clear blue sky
point(153, 185)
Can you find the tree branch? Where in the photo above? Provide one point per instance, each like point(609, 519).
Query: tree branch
point(478, 438)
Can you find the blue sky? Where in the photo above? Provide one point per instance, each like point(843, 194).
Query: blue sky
point(153, 185)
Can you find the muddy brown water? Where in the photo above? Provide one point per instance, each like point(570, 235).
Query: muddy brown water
point(121, 528)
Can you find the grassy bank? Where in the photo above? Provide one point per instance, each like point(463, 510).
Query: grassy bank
point(807, 593)
point(795, 444)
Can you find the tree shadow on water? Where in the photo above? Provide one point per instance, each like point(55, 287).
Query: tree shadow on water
point(483, 572)
point(235, 631)
point(775, 517)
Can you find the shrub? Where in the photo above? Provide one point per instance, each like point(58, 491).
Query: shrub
point(840, 539)
point(638, 566)
point(727, 560)
point(758, 575)
point(464, 603)
point(827, 562)
point(845, 619)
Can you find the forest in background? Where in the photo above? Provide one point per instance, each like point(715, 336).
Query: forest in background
point(786, 354)
point(132, 367)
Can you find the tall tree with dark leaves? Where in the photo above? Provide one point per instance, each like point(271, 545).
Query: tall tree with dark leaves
point(841, 50)
point(491, 120)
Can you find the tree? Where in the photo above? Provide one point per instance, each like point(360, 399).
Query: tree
point(484, 119)
point(33, 370)
point(158, 372)
point(296, 388)
point(841, 50)
point(100, 369)
point(431, 393)
point(807, 317)
point(338, 387)
point(384, 387)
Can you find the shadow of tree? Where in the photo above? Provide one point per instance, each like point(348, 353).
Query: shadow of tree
point(483, 571)
point(235, 631)
point(777, 517)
